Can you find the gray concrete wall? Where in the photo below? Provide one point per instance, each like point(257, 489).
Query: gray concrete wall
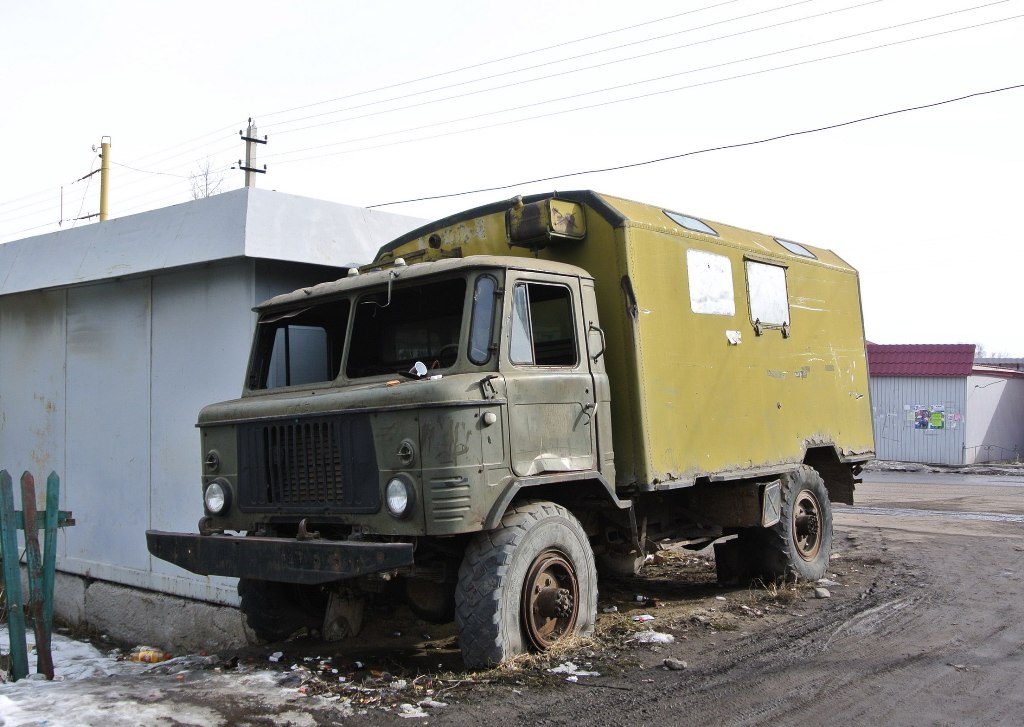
point(136, 616)
point(103, 384)
point(112, 337)
point(995, 431)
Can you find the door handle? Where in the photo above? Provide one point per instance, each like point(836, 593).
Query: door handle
point(604, 345)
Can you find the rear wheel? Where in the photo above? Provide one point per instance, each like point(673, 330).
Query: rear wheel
point(799, 545)
point(525, 586)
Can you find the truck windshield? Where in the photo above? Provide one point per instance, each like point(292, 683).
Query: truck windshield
point(418, 323)
point(298, 347)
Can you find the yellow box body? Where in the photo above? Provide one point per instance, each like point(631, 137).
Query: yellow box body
point(695, 394)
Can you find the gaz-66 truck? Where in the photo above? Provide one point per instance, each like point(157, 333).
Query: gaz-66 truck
point(511, 400)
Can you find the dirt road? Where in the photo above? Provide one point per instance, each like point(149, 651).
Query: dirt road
point(924, 626)
point(935, 637)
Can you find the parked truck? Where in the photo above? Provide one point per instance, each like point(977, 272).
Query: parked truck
point(509, 401)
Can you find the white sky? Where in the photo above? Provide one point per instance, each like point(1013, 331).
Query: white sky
point(924, 204)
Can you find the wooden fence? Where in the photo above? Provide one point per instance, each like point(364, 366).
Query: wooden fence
point(41, 564)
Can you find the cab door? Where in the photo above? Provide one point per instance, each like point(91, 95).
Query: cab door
point(548, 382)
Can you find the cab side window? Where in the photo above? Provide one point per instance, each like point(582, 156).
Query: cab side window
point(543, 330)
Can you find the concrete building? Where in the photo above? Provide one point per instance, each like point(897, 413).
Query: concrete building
point(113, 336)
point(934, 404)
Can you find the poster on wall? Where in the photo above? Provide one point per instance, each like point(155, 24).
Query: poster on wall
point(929, 417)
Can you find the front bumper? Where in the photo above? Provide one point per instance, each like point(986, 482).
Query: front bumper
point(277, 559)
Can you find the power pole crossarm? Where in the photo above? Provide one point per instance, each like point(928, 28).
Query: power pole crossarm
point(251, 140)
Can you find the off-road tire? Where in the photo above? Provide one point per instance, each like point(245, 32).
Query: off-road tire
point(797, 548)
point(489, 595)
point(274, 611)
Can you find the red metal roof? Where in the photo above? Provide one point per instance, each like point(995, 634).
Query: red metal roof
point(932, 359)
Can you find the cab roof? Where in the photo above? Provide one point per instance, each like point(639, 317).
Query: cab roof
point(402, 274)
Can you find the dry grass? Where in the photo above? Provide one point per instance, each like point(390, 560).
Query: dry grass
point(568, 649)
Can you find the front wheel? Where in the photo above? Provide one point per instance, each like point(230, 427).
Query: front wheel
point(799, 545)
point(525, 586)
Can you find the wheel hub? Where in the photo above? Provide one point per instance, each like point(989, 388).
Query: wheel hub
point(806, 525)
point(550, 602)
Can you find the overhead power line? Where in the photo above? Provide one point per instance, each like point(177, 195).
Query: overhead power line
point(147, 171)
point(159, 166)
point(164, 155)
point(494, 61)
point(221, 131)
point(558, 74)
point(563, 60)
point(636, 97)
point(707, 150)
point(225, 129)
point(607, 88)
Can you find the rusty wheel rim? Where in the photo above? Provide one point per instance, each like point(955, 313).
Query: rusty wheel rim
point(807, 525)
point(550, 602)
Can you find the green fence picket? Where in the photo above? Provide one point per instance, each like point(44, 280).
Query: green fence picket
point(34, 558)
point(50, 547)
point(12, 579)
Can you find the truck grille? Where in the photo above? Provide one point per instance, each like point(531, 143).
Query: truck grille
point(322, 465)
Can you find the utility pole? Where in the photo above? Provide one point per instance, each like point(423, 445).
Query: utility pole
point(250, 139)
point(104, 175)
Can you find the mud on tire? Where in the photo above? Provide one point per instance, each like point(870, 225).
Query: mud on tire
point(799, 545)
point(525, 585)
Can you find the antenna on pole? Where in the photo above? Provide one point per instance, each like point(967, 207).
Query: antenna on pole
point(250, 139)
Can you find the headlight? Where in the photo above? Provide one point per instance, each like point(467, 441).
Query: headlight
point(217, 497)
point(399, 495)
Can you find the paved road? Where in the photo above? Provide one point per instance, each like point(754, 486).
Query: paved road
point(940, 496)
point(940, 478)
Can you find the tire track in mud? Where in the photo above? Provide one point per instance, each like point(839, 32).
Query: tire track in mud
point(996, 517)
point(729, 687)
point(758, 682)
point(875, 620)
point(936, 639)
point(945, 651)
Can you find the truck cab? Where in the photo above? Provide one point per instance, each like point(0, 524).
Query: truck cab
point(382, 400)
